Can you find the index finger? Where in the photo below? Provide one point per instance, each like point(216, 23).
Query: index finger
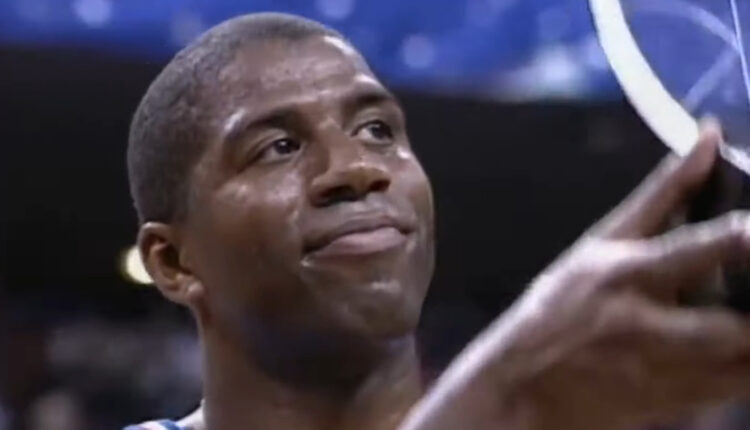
point(677, 259)
point(664, 191)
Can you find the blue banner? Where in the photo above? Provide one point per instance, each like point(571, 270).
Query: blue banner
point(509, 49)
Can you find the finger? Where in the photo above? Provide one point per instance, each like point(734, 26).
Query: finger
point(664, 191)
point(710, 290)
point(721, 193)
point(698, 333)
point(682, 257)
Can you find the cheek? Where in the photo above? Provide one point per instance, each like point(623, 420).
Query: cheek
point(416, 187)
point(255, 224)
point(418, 191)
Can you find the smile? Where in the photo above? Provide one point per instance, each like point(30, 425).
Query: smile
point(359, 238)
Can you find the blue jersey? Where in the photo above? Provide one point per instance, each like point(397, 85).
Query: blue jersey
point(157, 425)
point(193, 421)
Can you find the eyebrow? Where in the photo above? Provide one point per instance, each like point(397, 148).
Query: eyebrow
point(369, 97)
point(241, 121)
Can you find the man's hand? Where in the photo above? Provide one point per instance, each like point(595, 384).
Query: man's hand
point(599, 340)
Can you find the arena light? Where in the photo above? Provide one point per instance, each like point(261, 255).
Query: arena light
point(132, 267)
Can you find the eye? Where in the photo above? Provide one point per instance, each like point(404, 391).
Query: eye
point(377, 132)
point(278, 150)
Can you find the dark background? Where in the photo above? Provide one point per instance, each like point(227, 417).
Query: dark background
point(514, 183)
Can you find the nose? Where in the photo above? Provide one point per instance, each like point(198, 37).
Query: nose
point(352, 173)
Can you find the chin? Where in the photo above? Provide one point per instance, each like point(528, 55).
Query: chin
point(393, 328)
point(381, 314)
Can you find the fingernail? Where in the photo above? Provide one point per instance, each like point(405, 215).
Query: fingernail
point(709, 121)
point(702, 156)
point(709, 130)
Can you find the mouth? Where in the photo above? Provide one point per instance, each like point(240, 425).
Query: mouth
point(360, 237)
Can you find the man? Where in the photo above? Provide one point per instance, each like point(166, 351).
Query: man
point(280, 201)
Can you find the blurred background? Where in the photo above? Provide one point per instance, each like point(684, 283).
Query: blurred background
point(512, 109)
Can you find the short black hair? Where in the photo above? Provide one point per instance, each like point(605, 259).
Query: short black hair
point(167, 133)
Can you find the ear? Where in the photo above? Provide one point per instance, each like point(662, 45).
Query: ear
point(167, 261)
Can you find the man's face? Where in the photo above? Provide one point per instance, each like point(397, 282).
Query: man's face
point(309, 211)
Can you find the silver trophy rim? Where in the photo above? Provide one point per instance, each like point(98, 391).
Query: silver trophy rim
point(664, 115)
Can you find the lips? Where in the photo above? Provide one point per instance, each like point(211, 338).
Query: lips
point(357, 237)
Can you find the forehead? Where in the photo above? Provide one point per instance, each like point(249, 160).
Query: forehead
point(270, 71)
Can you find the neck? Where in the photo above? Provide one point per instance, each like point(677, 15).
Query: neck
point(365, 386)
